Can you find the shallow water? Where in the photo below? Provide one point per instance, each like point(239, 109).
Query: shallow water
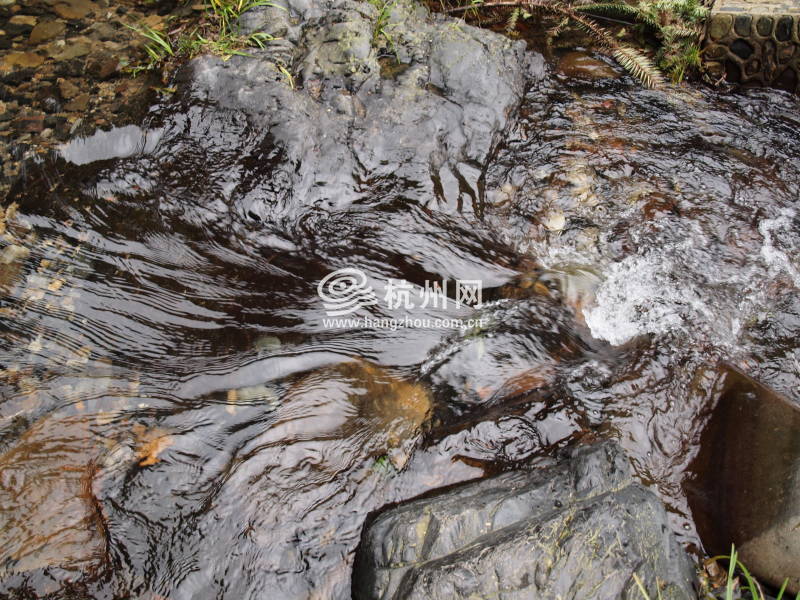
point(178, 420)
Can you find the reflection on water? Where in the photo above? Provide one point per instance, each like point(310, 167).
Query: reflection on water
point(177, 421)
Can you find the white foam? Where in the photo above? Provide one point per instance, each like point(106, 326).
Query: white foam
point(777, 260)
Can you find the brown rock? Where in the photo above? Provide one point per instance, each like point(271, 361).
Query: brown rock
point(581, 64)
point(79, 103)
point(69, 51)
point(154, 21)
point(20, 59)
point(101, 64)
point(102, 31)
point(45, 503)
point(20, 24)
point(28, 123)
point(47, 31)
point(75, 9)
point(67, 89)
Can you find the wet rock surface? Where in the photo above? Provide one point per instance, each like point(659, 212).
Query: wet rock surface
point(578, 527)
point(743, 483)
point(160, 285)
point(340, 121)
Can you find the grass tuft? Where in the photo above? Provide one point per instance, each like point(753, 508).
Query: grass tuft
point(217, 33)
point(732, 590)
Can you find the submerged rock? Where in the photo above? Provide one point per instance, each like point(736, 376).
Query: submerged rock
point(743, 489)
point(583, 65)
point(574, 528)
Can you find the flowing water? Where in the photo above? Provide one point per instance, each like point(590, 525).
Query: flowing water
point(179, 420)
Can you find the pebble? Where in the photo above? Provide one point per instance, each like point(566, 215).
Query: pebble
point(20, 59)
point(555, 221)
point(46, 31)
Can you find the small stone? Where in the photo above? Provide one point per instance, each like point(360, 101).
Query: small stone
point(764, 26)
point(154, 21)
point(29, 123)
point(555, 221)
point(80, 103)
point(47, 31)
point(102, 65)
point(69, 51)
point(65, 11)
point(102, 31)
point(742, 25)
point(20, 59)
point(19, 24)
point(67, 89)
point(720, 26)
point(75, 9)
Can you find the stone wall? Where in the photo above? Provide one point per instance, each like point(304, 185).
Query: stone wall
point(755, 43)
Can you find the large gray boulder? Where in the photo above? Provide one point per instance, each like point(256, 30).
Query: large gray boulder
point(575, 528)
point(343, 104)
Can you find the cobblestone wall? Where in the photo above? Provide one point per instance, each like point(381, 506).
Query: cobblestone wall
point(755, 43)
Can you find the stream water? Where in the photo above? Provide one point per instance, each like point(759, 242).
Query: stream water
point(179, 420)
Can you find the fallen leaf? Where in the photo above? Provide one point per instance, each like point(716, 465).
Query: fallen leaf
point(148, 454)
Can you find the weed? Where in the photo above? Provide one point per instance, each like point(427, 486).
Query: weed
point(732, 589)
point(289, 77)
point(217, 33)
point(382, 22)
point(752, 585)
point(158, 48)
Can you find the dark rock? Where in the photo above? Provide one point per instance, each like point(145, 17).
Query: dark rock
point(764, 26)
point(574, 528)
point(743, 489)
point(742, 48)
point(783, 30)
point(742, 25)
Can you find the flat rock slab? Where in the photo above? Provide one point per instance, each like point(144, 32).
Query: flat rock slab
point(755, 43)
point(579, 527)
